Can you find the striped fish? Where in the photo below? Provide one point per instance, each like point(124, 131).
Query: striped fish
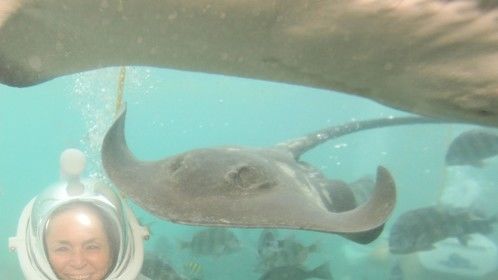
point(419, 229)
point(193, 270)
point(212, 241)
point(158, 268)
point(275, 252)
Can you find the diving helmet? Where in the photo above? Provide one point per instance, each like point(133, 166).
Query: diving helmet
point(128, 234)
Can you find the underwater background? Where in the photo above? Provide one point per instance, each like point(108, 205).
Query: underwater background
point(170, 112)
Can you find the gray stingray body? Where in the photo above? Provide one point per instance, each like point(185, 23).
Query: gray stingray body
point(431, 57)
point(249, 187)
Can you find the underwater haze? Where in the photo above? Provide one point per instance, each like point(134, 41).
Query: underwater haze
point(170, 112)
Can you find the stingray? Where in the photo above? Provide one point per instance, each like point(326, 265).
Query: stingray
point(251, 187)
point(437, 58)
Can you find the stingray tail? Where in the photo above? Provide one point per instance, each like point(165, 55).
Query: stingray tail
point(301, 145)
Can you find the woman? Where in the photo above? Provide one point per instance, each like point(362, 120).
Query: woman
point(78, 230)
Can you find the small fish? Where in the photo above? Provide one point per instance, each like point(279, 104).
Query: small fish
point(193, 270)
point(419, 229)
point(472, 147)
point(213, 241)
point(157, 268)
point(267, 242)
point(294, 272)
point(288, 252)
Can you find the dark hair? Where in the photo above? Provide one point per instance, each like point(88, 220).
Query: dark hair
point(110, 227)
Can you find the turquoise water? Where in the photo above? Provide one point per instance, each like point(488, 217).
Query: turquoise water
point(171, 112)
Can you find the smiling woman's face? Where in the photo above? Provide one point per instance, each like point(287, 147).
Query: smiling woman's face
point(77, 245)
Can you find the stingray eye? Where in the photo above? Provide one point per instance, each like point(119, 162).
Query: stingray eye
point(248, 177)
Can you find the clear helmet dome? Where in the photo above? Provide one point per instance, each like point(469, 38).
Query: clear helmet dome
point(125, 233)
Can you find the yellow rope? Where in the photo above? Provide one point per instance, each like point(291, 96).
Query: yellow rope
point(120, 91)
